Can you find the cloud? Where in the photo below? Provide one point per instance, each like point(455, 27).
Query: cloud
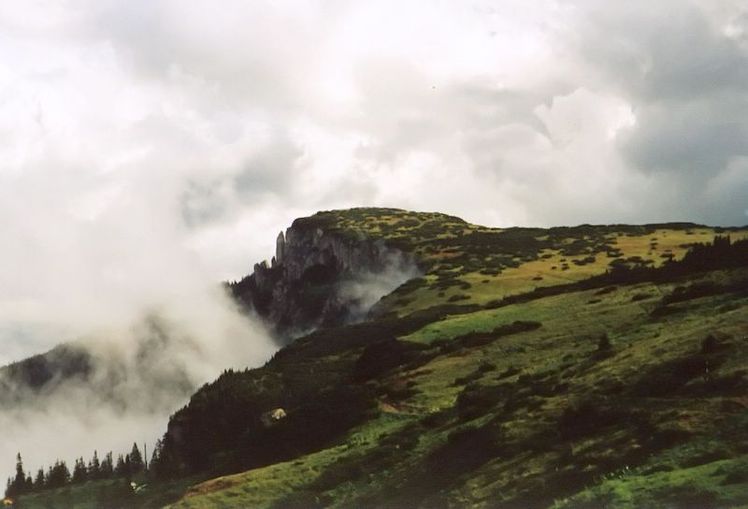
point(136, 377)
point(683, 67)
point(145, 140)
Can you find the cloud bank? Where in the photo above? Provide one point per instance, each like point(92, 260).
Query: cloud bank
point(204, 125)
point(128, 381)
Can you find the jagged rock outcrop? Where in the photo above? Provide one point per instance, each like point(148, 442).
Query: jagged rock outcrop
point(322, 278)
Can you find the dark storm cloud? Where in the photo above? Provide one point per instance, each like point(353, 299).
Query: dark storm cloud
point(685, 74)
point(667, 52)
point(687, 139)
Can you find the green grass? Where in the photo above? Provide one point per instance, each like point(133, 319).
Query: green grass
point(715, 484)
point(108, 494)
point(533, 378)
point(263, 486)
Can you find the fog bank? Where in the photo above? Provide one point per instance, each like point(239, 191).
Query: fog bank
point(138, 376)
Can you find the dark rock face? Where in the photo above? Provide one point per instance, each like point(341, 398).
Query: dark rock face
point(320, 278)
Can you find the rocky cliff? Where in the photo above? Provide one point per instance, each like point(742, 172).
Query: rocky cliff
point(322, 276)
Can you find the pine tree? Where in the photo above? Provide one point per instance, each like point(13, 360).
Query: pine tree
point(17, 486)
point(163, 464)
point(39, 482)
point(155, 465)
point(80, 472)
point(107, 466)
point(122, 468)
point(94, 467)
point(136, 459)
point(20, 476)
point(58, 475)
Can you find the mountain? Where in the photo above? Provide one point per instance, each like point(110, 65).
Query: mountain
point(324, 273)
point(43, 373)
point(104, 376)
point(585, 366)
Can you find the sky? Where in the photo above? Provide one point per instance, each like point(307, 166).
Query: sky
point(152, 147)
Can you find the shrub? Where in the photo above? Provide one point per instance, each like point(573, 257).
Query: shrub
point(301, 499)
point(709, 344)
point(669, 377)
point(603, 343)
point(474, 339)
point(486, 366)
point(476, 400)
point(689, 496)
point(383, 356)
point(737, 476)
point(435, 419)
point(694, 291)
point(510, 371)
point(589, 416)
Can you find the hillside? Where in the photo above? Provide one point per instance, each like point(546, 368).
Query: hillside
point(43, 372)
point(524, 367)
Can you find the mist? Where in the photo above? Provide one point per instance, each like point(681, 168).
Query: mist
point(106, 260)
point(138, 376)
point(361, 292)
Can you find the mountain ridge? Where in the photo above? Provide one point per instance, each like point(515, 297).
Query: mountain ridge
point(508, 348)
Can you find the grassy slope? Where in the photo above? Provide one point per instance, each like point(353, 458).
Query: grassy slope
point(109, 494)
point(534, 418)
point(688, 441)
point(685, 443)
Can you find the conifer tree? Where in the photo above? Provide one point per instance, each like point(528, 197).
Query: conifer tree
point(155, 464)
point(122, 468)
point(58, 475)
point(20, 476)
point(94, 467)
point(80, 472)
point(17, 485)
point(136, 459)
point(163, 464)
point(107, 466)
point(39, 482)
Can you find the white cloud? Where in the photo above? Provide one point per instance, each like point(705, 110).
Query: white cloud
point(157, 138)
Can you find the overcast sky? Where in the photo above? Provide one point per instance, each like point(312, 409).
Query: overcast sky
point(148, 148)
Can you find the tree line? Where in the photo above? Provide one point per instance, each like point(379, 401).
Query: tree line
point(59, 475)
